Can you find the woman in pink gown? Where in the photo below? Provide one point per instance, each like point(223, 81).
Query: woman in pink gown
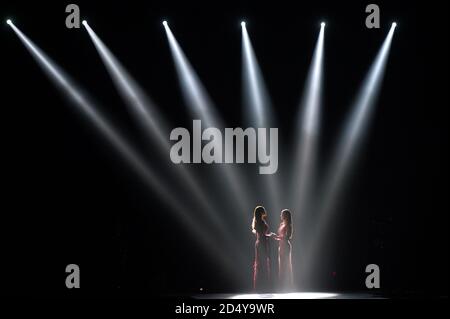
point(261, 265)
point(284, 236)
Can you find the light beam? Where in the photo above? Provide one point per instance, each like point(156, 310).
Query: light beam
point(87, 108)
point(292, 295)
point(256, 94)
point(308, 131)
point(305, 151)
point(356, 125)
point(348, 147)
point(145, 112)
point(258, 111)
point(201, 106)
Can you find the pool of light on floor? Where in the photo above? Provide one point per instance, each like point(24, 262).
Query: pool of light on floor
point(291, 295)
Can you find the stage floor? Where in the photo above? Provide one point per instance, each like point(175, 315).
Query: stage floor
point(293, 295)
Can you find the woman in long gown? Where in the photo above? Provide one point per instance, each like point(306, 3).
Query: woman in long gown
point(284, 237)
point(261, 265)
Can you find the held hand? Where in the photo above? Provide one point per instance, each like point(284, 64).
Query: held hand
point(275, 236)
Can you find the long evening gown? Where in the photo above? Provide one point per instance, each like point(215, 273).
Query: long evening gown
point(261, 265)
point(284, 257)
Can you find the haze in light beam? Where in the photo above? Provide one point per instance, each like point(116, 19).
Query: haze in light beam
point(344, 156)
point(308, 131)
point(147, 115)
point(258, 110)
point(88, 109)
point(257, 101)
point(200, 105)
point(356, 125)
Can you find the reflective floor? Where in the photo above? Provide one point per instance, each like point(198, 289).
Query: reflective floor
point(292, 295)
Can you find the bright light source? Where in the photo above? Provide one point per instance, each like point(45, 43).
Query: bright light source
point(154, 125)
point(394, 24)
point(348, 147)
point(322, 24)
point(9, 21)
point(304, 167)
point(84, 22)
point(201, 106)
point(243, 24)
point(165, 23)
point(192, 89)
point(257, 97)
point(157, 185)
point(258, 109)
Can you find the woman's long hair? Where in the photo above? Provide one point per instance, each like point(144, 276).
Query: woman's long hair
point(259, 213)
point(286, 218)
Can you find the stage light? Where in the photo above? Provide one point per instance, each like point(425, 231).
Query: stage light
point(358, 121)
point(201, 106)
point(394, 24)
point(9, 21)
point(192, 88)
point(304, 168)
point(243, 24)
point(257, 101)
point(89, 110)
point(84, 22)
point(151, 121)
point(344, 156)
point(164, 23)
point(322, 24)
point(134, 96)
point(258, 112)
point(305, 155)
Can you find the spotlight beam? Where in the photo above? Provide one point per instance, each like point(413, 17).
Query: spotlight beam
point(143, 109)
point(88, 109)
point(256, 97)
point(146, 114)
point(308, 130)
point(202, 107)
point(191, 86)
point(258, 107)
point(348, 147)
point(357, 124)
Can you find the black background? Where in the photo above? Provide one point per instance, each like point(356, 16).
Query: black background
point(66, 197)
